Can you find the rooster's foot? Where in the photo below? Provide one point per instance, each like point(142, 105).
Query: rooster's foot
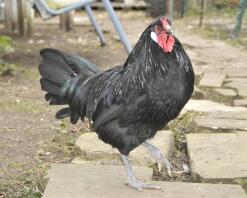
point(160, 159)
point(132, 181)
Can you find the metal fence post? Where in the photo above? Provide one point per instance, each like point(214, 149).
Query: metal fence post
point(201, 13)
point(171, 9)
point(242, 7)
point(21, 20)
point(29, 14)
point(8, 16)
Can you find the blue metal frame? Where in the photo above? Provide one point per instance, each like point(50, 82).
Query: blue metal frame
point(95, 24)
point(43, 7)
point(117, 25)
point(46, 13)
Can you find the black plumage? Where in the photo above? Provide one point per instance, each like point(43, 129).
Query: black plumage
point(127, 104)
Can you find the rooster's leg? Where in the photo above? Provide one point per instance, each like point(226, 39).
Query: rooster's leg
point(132, 181)
point(161, 161)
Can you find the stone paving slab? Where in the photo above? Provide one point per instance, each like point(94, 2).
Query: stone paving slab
point(236, 72)
point(210, 106)
point(236, 79)
point(198, 70)
point(77, 181)
point(211, 54)
point(232, 70)
point(212, 79)
point(220, 95)
point(240, 102)
point(198, 94)
point(226, 92)
point(198, 42)
point(240, 84)
point(226, 115)
point(218, 155)
point(93, 148)
point(220, 124)
point(82, 161)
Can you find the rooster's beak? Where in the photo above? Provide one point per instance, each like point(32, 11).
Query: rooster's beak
point(169, 30)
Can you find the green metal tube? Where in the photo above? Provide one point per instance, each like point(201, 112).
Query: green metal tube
point(240, 15)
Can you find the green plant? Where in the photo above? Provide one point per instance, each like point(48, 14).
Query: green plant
point(6, 45)
point(7, 69)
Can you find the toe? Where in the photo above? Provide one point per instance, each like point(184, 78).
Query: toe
point(135, 185)
point(163, 163)
point(140, 186)
point(139, 189)
point(150, 186)
point(169, 172)
point(159, 167)
point(156, 188)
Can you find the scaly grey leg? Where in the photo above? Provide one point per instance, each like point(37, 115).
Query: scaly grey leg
point(132, 181)
point(161, 161)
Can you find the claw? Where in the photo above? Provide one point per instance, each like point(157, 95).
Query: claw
point(159, 167)
point(169, 171)
point(166, 164)
point(139, 189)
point(161, 161)
point(168, 168)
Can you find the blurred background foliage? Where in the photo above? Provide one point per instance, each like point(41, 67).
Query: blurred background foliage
point(6, 46)
point(160, 7)
point(219, 19)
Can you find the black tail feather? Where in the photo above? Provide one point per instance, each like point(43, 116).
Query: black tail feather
point(49, 86)
point(63, 113)
point(57, 70)
point(54, 67)
point(74, 117)
point(55, 73)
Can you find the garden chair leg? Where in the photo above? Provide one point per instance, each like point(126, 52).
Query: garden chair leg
point(95, 24)
point(117, 25)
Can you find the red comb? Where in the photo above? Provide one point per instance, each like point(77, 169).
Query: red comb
point(164, 21)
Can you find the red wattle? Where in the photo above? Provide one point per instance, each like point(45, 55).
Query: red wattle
point(170, 43)
point(166, 42)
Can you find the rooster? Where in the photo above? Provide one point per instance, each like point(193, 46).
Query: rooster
point(128, 104)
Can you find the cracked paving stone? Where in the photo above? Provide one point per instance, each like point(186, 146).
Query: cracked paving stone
point(105, 181)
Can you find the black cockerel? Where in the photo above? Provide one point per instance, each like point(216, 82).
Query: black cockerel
point(128, 104)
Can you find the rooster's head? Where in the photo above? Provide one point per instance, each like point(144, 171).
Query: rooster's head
point(162, 34)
